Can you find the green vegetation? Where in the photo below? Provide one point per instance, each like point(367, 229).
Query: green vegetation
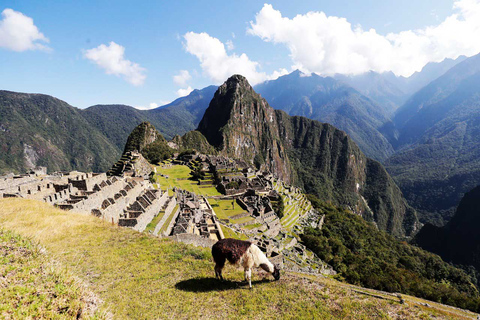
point(180, 176)
point(157, 152)
point(194, 140)
point(364, 256)
point(229, 233)
point(53, 133)
point(137, 275)
point(438, 143)
point(279, 207)
point(33, 286)
point(151, 226)
point(459, 241)
point(169, 219)
point(225, 209)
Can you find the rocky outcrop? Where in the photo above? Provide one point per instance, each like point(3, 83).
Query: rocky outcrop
point(143, 135)
point(315, 156)
point(241, 124)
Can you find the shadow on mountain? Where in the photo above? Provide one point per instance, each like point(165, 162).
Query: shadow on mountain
point(213, 284)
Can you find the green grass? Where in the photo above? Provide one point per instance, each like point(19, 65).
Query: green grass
point(137, 275)
point(224, 208)
point(32, 286)
point(252, 226)
point(151, 226)
point(243, 219)
point(229, 233)
point(178, 176)
point(169, 219)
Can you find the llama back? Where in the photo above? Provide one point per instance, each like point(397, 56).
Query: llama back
point(231, 249)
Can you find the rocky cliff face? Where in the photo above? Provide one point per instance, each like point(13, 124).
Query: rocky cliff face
point(315, 156)
point(241, 124)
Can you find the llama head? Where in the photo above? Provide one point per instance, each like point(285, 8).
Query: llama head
point(276, 272)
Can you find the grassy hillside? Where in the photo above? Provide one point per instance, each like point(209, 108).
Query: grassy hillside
point(139, 276)
point(41, 130)
point(33, 286)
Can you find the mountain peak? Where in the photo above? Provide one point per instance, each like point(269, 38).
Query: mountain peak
point(240, 124)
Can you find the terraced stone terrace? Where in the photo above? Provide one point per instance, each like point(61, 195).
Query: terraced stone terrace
point(296, 204)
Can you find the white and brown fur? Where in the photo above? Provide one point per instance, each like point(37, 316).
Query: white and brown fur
point(243, 254)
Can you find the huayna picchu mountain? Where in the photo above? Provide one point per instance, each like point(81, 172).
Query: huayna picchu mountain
point(315, 156)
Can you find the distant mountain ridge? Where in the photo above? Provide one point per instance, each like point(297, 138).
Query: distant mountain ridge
point(315, 156)
point(390, 91)
point(41, 130)
point(328, 100)
point(438, 157)
point(175, 118)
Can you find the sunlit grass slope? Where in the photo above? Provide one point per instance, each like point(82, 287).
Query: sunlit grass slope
point(33, 286)
point(141, 276)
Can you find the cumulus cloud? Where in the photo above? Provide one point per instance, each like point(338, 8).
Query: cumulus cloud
point(18, 33)
point(184, 92)
point(218, 65)
point(111, 59)
point(182, 78)
point(328, 44)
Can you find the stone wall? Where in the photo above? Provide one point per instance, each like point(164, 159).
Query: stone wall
point(94, 200)
point(196, 240)
point(87, 181)
point(172, 223)
point(150, 212)
point(61, 195)
point(171, 203)
point(122, 200)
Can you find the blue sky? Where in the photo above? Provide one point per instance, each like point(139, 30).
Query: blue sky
point(159, 39)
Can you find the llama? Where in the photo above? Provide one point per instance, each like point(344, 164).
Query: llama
point(242, 254)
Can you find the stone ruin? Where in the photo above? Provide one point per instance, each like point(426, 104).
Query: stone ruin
point(196, 217)
point(131, 164)
point(285, 250)
point(37, 185)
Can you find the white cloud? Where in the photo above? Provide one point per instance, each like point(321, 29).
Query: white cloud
point(230, 45)
point(18, 33)
point(152, 105)
point(182, 78)
point(218, 65)
point(111, 59)
point(184, 92)
point(328, 44)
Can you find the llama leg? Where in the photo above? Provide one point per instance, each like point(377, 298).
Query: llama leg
point(248, 275)
point(218, 272)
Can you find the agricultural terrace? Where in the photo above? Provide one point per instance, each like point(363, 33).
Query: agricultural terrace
point(179, 176)
point(296, 205)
